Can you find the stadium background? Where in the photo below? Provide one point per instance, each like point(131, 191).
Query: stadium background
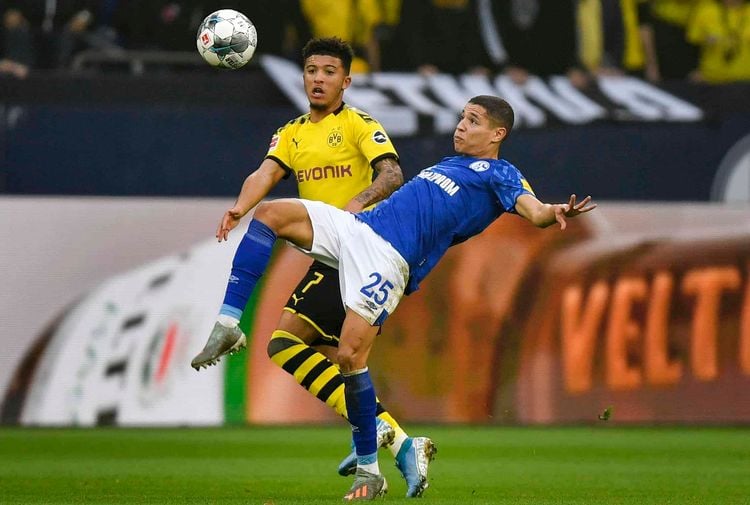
point(113, 172)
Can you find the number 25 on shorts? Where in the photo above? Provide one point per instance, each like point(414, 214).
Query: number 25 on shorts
point(378, 289)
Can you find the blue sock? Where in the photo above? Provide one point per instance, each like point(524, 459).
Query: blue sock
point(250, 260)
point(361, 408)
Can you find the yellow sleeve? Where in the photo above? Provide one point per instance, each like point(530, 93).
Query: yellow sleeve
point(368, 16)
point(328, 18)
point(706, 22)
point(527, 186)
point(697, 27)
point(278, 149)
point(633, 58)
point(372, 139)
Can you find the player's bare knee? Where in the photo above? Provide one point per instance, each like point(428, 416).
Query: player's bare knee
point(329, 351)
point(288, 219)
point(292, 323)
point(267, 214)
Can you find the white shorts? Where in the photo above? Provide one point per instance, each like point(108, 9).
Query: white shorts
point(372, 274)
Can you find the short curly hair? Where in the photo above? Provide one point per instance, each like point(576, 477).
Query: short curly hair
point(330, 46)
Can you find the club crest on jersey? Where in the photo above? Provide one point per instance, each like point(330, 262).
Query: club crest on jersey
point(379, 137)
point(335, 138)
point(480, 166)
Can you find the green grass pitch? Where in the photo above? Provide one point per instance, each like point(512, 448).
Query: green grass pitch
point(600, 464)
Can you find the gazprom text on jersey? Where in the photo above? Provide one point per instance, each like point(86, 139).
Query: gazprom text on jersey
point(441, 180)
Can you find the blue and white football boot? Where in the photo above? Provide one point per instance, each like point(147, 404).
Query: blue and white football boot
point(412, 460)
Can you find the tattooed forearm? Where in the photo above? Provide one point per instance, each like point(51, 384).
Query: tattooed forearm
point(388, 180)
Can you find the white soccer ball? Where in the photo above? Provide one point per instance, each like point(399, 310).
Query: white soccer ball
point(227, 39)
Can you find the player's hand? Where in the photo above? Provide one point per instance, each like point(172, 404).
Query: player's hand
point(230, 220)
point(572, 209)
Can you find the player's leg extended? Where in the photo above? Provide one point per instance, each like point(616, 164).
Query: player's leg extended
point(357, 337)
point(281, 218)
point(290, 348)
point(312, 321)
point(305, 346)
point(314, 369)
point(374, 296)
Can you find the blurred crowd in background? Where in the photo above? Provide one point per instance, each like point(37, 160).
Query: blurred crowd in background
point(698, 40)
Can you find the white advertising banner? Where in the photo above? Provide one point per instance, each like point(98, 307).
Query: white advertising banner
point(122, 354)
point(398, 99)
point(116, 350)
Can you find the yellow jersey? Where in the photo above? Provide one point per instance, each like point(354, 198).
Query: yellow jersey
point(674, 12)
point(353, 20)
point(724, 36)
point(332, 159)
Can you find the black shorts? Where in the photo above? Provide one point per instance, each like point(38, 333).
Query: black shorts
point(317, 300)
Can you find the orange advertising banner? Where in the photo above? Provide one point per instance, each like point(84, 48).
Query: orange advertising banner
point(641, 308)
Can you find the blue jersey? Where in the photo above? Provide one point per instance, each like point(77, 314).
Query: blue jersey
point(443, 206)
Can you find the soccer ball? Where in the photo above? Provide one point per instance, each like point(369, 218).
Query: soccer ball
point(227, 39)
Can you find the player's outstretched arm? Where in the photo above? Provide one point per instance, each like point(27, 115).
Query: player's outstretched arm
point(388, 180)
point(546, 214)
point(256, 186)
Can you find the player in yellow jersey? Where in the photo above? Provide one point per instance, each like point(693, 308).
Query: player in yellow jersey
point(341, 156)
point(722, 31)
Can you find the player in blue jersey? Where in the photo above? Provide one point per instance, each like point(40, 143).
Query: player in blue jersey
point(341, 156)
point(384, 253)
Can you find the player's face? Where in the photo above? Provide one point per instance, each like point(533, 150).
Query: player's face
point(475, 134)
point(325, 81)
